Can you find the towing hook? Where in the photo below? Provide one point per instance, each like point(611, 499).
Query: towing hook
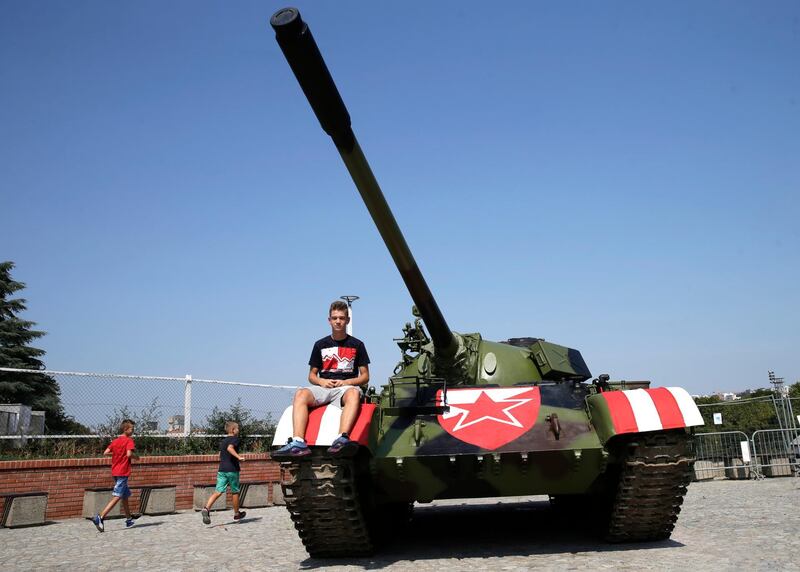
point(555, 426)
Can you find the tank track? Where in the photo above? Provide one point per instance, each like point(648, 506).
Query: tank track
point(321, 495)
point(656, 469)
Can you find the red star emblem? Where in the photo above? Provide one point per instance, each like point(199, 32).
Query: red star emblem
point(490, 417)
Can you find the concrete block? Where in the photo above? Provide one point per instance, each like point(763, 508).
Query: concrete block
point(737, 470)
point(36, 426)
point(6, 419)
point(203, 492)
point(17, 421)
point(95, 500)
point(277, 495)
point(257, 495)
point(160, 500)
point(26, 510)
point(778, 467)
point(704, 470)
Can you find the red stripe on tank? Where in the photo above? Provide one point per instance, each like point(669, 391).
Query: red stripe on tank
point(314, 421)
point(667, 406)
point(360, 430)
point(621, 412)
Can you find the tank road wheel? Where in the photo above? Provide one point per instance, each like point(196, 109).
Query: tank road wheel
point(322, 497)
point(653, 476)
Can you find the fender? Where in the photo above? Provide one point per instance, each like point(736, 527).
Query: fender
point(323, 425)
point(640, 410)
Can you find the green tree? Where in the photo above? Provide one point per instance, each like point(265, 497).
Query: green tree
point(36, 390)
point(746, 416)
point(146, 417)
point(248, 423)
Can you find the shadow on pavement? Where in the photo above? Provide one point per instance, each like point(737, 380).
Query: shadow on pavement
point(488, 530)
point(37, 524)
point(134, 527)
point(235, 522)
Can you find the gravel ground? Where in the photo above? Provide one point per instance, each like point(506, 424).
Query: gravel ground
point(724, 525)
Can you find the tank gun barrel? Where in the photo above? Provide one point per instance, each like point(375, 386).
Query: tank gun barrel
point(301, 51)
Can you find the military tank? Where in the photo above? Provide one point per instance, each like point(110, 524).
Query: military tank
point(463, 417)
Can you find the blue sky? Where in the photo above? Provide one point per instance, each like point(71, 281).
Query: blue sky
point(617, 177)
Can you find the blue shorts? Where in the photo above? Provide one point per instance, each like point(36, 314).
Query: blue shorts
point(121, 487)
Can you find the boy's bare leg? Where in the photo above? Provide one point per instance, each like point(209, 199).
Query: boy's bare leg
point(111, 504)
point(351, 401)
point(303, 399)
point(213, 498)
point(126, 507)
point(235, 503)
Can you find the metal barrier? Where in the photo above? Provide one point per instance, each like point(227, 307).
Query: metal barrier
point(732, 455)
point(722, 455)
point(776, 452)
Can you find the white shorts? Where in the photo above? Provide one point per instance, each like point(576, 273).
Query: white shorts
point(323, 395)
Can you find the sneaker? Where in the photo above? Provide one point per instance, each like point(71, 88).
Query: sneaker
point(206, 516)
point(239, 516)
point(292, 450)
point(129, 522)
point(98, 522)
point(343, 446)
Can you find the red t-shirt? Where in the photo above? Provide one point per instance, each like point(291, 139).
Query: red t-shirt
point(120, 462)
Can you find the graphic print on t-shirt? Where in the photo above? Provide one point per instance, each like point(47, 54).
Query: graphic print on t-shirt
point(338, 359)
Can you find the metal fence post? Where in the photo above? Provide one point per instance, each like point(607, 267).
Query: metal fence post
point(187, 406)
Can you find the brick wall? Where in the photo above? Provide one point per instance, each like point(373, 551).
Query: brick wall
point(66, 479)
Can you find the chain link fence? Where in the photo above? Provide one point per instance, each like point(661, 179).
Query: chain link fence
point(181, 415)
point(184, 410)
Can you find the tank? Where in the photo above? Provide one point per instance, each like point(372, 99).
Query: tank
point(463, 417)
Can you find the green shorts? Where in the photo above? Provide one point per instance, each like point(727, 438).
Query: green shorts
point(225, 479)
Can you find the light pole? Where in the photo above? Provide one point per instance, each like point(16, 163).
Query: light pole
point(786, 417)
point(349, 299)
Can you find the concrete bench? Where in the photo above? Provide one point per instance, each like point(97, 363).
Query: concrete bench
point(254, 494)
point(153, 499)
point(24, 509)
point(156, 499)
point(96, 499)
point(277, 494)
point(202, 492)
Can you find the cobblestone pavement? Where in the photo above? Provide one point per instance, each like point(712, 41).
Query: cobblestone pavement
point(724, 525)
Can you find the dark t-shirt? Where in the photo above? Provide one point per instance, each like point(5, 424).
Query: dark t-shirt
point(227, 462)
point(338, 359)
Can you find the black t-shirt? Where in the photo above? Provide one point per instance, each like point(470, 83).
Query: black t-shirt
point(338, 359)
point(227, 462)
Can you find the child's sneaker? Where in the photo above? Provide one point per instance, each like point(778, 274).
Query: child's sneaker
point(343, 446)
point(239, 515)
point(292, 450)
point(129, 522)
point(98, 522)
point(206, 516)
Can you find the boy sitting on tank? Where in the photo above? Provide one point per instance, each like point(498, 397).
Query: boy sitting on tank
point(339, 371)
